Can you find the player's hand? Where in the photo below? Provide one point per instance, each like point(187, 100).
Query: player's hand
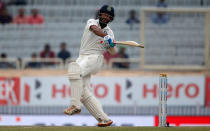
point(108, 40)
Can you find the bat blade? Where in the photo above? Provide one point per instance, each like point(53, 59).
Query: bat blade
point(129, 43)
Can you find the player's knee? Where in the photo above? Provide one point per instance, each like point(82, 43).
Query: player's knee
point(84, 99)
point(86, 95)
point(74, 71)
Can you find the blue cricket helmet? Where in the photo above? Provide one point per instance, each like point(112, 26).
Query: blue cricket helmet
point(108, 10)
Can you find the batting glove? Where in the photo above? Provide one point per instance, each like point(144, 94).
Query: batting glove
point(108, 40)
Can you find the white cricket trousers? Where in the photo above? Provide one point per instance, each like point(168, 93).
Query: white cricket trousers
point(90, 64)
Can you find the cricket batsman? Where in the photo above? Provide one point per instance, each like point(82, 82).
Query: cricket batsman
point(97, 38)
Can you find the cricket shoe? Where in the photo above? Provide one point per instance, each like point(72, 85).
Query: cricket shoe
point(105, 123)
point(72, 110)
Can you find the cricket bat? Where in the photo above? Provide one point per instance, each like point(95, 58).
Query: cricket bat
point(129, 43)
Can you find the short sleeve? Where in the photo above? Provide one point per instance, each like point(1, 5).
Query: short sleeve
point(91, 22)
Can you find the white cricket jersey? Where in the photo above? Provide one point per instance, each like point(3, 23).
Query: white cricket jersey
point(90, 42)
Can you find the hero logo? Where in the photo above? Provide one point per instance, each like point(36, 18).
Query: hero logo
point(100, 91)
point(9, 91)
point(191, 90)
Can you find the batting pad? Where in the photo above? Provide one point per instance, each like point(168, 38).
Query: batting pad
point(95, 108)
point(76, 92)
point(74, 73)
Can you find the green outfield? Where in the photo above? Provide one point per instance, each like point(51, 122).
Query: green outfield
point(75, 128)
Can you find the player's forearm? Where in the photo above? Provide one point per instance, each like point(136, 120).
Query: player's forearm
point(96, 30)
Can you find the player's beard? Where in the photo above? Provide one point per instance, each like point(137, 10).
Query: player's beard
point(103, 25)
point(103, 22)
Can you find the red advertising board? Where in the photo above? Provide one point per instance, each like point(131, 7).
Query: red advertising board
point(9, 91)
point(186, 120)
point(207, 92)
point(127, 91)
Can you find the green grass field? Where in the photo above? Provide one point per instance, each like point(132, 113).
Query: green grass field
point(77, 128)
